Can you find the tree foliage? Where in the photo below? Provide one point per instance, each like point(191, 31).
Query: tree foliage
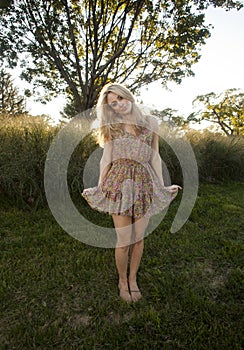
point(77, 46)
point(5, 3)
point(11, 103)
point(225, 109)
point(172, 117)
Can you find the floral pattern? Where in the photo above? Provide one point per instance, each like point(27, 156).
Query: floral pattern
point(131, 186)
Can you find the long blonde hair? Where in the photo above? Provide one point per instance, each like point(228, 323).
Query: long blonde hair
point(110, 122)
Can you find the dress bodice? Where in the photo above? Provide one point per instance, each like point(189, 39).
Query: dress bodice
point(133, 147)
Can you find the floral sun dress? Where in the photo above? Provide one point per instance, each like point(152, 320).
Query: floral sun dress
point(131, 186)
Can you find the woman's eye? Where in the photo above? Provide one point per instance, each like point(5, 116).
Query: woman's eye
point(120, 97)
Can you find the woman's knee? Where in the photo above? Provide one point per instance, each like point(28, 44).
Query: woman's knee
point(123, 249)
point(138, 237)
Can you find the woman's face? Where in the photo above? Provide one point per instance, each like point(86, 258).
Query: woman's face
point(119, 104)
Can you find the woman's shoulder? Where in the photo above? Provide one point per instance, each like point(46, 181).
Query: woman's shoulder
point(152, 123)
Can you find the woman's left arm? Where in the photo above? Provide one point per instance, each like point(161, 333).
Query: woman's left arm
point(156, 163)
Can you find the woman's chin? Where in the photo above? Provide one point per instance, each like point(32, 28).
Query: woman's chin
point(126, 113)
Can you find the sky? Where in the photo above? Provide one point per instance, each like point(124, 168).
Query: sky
point(220, 67)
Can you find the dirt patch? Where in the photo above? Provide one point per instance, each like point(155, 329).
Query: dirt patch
point(77, 321)
point(116, 318)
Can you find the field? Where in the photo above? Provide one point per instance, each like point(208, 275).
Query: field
point(58, 293)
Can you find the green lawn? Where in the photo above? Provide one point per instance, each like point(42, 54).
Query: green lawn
point(58, 293)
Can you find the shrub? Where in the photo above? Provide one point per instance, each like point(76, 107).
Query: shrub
point(25, 141)
point(219, 157)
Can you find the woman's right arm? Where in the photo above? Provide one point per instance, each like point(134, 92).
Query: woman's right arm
point(105, 162)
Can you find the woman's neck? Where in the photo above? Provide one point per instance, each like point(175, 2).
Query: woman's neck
point(127, 119)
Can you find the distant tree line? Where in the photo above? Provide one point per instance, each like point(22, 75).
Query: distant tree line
point(226, 109)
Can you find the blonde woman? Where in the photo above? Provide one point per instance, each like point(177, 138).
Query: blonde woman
point(131, 186)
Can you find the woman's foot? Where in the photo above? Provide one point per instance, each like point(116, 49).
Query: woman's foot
point(124, 292)
point(134, 291)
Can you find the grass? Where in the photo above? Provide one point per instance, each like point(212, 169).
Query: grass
point(58, 293)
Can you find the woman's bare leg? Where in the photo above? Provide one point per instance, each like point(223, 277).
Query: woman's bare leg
point(136, 250)
point(123, 227)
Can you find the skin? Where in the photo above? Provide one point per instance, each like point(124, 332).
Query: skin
point(128, 228)
point(119, 104)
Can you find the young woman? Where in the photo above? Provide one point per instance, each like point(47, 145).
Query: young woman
point(131, 186)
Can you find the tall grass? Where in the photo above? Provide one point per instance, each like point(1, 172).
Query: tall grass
point(219, 158)
point(25, 141)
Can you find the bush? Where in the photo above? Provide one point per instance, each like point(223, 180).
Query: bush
point(25, 141)
point(220, 158)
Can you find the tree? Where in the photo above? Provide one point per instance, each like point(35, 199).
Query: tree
point(77, 46)
point(11, 102)
point(225, 109)
point(172, 117)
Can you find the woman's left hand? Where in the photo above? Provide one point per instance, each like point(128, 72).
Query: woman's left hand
point(173, 188)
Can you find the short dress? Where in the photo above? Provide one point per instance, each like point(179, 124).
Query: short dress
point(131, 186)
